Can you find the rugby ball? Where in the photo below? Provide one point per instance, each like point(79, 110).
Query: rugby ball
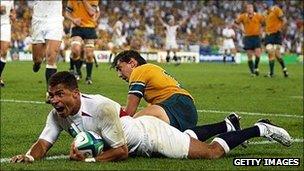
point(89, 143)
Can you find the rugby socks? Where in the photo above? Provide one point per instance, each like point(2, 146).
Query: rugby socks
point(2, 65)
point(232, 139)
point(205, 132)
point(256, 62)
point(50, 70)
point(281, 61)
point(89, 70)
point(271, 66)
point(72, 63)
point(250, 64)
point(78, 64)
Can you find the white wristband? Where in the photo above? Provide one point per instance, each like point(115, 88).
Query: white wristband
point(90, 160)
point(30, 157)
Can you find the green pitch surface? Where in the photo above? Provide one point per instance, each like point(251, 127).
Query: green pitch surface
point(217, 88)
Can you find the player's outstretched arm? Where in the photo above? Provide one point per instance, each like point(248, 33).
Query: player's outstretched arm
point(36, 152)
point(132, 104)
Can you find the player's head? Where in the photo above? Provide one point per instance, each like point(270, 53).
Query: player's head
point(249, 8)
point(64, 94)
point(126, 61)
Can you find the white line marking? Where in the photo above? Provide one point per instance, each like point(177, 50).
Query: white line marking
point(201, 111)
point(252, 113)
point(21, 101)
point(6, 160)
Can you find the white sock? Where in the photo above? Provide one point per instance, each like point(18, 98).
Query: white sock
point(263, 129)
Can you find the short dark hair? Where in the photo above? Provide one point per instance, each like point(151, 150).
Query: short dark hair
point(65, 78)
point(125, 56)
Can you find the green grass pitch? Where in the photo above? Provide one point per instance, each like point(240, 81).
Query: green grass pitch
point(217, 89)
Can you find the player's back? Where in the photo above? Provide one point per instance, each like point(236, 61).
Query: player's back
point(152, 82)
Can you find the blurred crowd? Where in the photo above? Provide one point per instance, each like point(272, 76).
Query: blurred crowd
point(142, 29)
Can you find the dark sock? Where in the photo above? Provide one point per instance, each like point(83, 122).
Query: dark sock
point(281, 61)
point(232, 59)
point(72, 63)
point(250, 64)
point(48, 73)
point(205, 132)
point(236, 138)
point(224, 59)
point(78, 64)
point(256, 63)
point(2, 65)
point(89, 69)
point(271, 66)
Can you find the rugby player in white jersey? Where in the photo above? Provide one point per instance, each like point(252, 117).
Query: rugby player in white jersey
point(47, 32)
point(148, 135)
point(228, 43)
point(171, 32)
point(7, 13)
point(74, 112)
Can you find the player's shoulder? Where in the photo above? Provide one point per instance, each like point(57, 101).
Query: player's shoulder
point(147, 67)
point(92, 102)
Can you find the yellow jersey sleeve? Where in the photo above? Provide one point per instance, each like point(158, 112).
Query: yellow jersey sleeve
point(153, 83)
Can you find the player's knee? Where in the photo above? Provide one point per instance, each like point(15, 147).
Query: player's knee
point(215, 151)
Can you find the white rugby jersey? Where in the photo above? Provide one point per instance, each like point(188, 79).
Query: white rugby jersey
point(171, 32)
point(95, 114)
point(228, 33)
point(9, 5)
point(47, 10)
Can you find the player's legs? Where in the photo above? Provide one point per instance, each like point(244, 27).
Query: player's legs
point(227, 141)
point(204, 132)
point(52, 50)
point(250, 54)
point(154, 110)
point(4, 48)
point(271, 57)
point(233, 53)
point(89, 54)
point(39, 50)
point(76, 48)
point(257, 53)
point(278, 56)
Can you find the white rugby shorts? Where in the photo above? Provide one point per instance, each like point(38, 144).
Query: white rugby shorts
point(228, 44)
point(44, 29)
point(165, 139)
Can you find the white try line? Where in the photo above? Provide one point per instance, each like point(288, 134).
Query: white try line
point(6, 160)
point(200, 111)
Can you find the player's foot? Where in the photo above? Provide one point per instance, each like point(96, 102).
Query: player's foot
point(256, 72)
point(1, 83)
point(269, 75)
point(89, 80)
point(285, 72)
point(234, 121)
point(36, 67)
point(252, 75)
point(47, 98)
point(274, 132)
point(77, 77)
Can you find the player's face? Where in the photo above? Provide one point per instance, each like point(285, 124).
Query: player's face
point(249, 8)
point(65, 101)
point(124, 70)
